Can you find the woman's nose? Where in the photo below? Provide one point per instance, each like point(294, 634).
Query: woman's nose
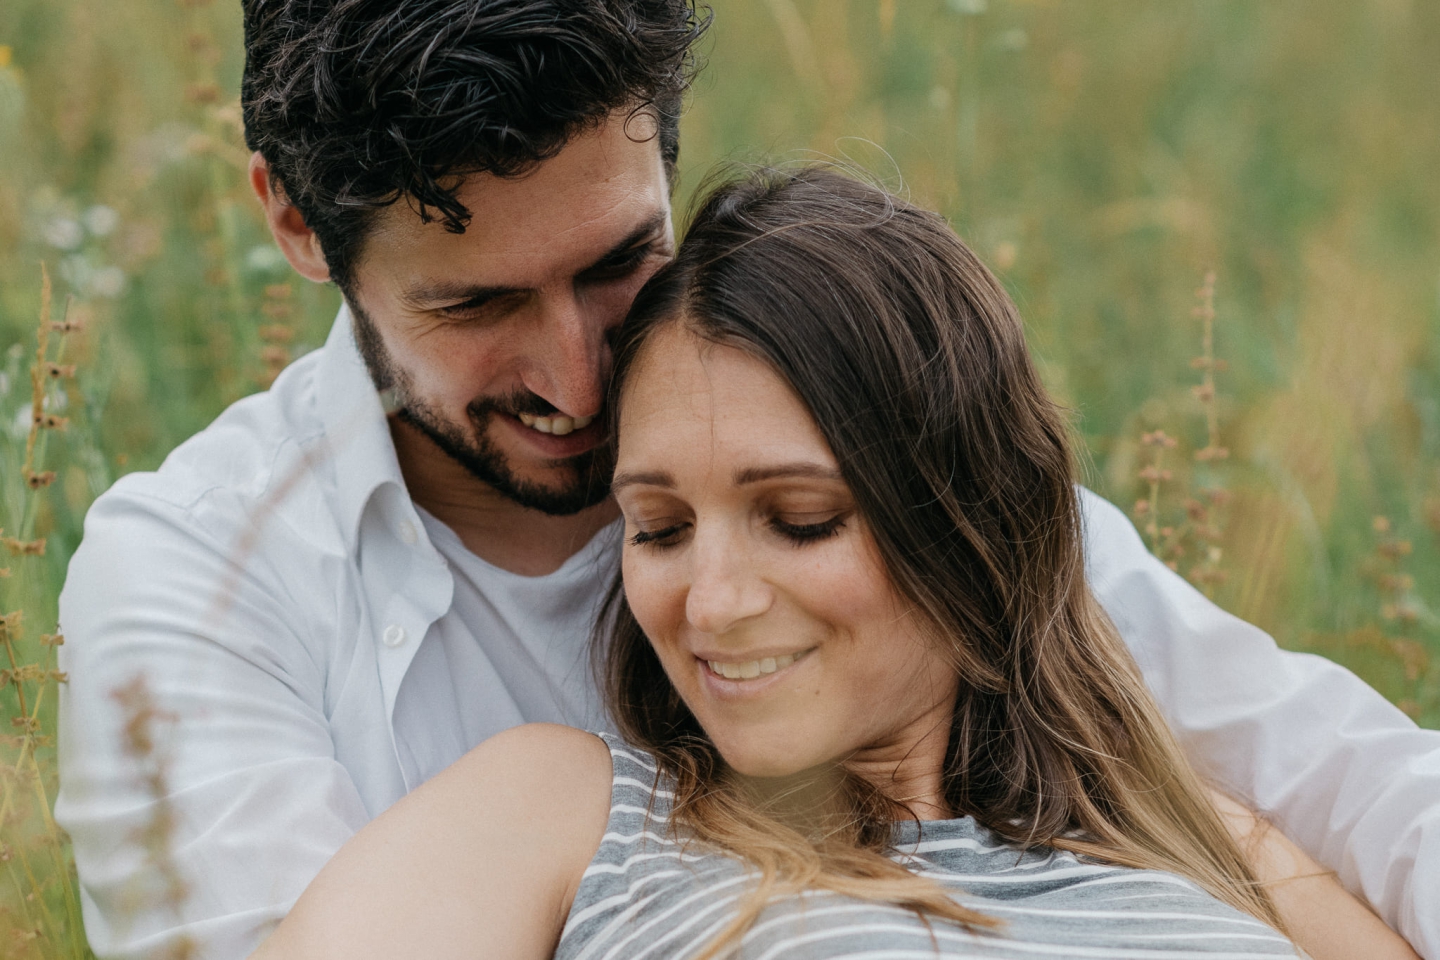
point(725, 588)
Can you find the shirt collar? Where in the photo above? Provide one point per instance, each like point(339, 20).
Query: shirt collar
point(356, 427)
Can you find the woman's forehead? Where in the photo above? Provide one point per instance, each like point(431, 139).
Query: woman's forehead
point(690, 401)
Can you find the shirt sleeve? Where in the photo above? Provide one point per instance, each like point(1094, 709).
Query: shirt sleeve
point(241, 782)
point(1304, 741)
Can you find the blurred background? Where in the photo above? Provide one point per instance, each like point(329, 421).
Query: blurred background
point(1104, 158)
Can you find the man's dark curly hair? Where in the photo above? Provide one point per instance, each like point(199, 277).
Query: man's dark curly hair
point(356, 104)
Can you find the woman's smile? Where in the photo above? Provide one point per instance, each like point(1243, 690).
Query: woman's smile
point(755, 679)
point(763, 666)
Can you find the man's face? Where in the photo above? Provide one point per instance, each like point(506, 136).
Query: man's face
point(495, 341)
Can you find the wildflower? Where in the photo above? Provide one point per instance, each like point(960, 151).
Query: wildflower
point(107, 282)
point(204, 93)
point(25, 548)
point(1014, 39)
point(1158, 439)
point(101, 220)
point(264, 258)
point(63, 233)
point(1394, 549)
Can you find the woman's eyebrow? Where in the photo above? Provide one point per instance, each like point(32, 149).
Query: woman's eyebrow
point(659, 478)
point(653, 478)
point(756, 474)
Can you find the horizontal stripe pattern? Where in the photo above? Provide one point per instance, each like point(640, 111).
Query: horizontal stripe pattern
point(651, 895)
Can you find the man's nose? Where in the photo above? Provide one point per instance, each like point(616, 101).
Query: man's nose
point(725, 588)
point(570, 356)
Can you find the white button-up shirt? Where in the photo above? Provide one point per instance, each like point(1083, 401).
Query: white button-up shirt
point(301, 636)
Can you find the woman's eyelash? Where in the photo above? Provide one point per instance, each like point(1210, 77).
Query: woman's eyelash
point(798, 533)
point(809, 532)
point(656, 538)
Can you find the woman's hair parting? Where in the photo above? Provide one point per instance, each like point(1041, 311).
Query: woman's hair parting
point(912, 360)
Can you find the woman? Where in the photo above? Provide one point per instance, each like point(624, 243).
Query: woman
point(868, 704)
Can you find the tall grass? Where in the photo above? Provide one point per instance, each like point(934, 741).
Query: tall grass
point(1102, 157)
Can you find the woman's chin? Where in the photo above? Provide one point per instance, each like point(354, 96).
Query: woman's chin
point(770, 761)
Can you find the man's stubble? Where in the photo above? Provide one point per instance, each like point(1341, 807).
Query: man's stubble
point(473, 450)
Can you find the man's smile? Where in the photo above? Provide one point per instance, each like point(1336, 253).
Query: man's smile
point(557, 425)
point(576, 435)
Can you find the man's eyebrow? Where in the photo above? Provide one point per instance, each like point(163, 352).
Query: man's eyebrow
point(646, 231)
point(815, 470)
point(652, 478)
point(430, 292)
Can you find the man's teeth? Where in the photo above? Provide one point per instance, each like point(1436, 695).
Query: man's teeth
point(751, 669)
point(559, 426)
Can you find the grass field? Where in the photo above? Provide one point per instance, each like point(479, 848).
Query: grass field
point(1101, 156)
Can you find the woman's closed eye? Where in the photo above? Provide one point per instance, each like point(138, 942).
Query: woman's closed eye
point(658, 535)
point(797, 530)
point(801, 533)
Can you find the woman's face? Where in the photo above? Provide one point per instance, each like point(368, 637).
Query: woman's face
point(755, 579)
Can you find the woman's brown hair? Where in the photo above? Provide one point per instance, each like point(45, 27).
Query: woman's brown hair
point(912, 360)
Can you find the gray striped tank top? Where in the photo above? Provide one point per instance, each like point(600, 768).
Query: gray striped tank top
point(647, 896)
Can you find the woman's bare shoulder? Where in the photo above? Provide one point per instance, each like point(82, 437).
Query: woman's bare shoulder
point(489, 851)
point(537, 767)
point(547, 778)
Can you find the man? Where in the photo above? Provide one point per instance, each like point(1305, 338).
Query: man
point(333, 604)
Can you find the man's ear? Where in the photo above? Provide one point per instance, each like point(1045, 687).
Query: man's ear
point(296, 240)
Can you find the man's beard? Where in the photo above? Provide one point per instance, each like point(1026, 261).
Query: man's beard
point(590, 471)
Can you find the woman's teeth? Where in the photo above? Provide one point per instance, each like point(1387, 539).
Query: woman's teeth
point(559, 426)
point(751, 669)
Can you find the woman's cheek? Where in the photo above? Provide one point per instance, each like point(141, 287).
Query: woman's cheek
point(656, 601)
point(848, 585)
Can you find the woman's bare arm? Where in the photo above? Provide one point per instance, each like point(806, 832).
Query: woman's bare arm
point(1325, 920)
point(481, 861)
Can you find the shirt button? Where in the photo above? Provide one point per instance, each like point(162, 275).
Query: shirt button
point(393, 636)
point(408, 533)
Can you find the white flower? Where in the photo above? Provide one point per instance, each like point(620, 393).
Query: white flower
point(63, 233)
point(107, 282)
point(264, 258)
point(101, 220)
point(77, 271)
point(1016, 39)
